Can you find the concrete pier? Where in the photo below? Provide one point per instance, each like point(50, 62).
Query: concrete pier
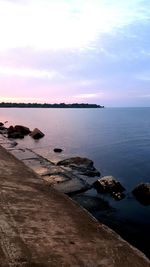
point(40, 226)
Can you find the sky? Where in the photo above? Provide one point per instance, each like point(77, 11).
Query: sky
point(89, 51)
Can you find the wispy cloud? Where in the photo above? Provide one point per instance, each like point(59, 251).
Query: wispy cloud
point(29, 73)
point(89, 95)
point(63, 24)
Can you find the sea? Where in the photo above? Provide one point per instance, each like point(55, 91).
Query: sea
point(116, 139)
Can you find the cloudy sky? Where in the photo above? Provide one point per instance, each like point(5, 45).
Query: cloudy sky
point(95, 51)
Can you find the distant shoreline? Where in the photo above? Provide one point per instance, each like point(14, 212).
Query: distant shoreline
point(45, 105)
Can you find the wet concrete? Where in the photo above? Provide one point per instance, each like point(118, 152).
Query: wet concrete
point(40, 226)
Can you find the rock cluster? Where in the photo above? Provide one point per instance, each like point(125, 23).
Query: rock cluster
point(19, 131)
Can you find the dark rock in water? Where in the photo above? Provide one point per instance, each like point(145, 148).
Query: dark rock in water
point(11, 129)
point(1, 124)
point(15, 135)
point(22, 129)
point(17, 132)
point(36, 134)
point(83, 166)
point(58, 150)
point(142, 193)
point(108, 184)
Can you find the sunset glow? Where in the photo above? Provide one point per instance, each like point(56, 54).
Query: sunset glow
point(75, 50)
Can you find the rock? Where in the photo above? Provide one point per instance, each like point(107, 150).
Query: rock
point(15, 135)
point(58, 150)
point(1, 124)
point(18, 131)
point(10, 129)
point(22, 129)
point(108, 184)
point(77, 162)
point(36, 134)
point(142, 193)
point(83, 166)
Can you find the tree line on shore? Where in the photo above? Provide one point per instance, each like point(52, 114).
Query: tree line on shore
point(46, 105)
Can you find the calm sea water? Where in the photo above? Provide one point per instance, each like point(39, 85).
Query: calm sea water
point(116, 139)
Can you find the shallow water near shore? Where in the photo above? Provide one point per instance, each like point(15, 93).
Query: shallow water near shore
point(116, 139)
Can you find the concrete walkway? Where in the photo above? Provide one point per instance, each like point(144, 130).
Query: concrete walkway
point(42, 227)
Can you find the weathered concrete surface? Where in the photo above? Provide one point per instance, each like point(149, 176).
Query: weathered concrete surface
point(42, 227)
